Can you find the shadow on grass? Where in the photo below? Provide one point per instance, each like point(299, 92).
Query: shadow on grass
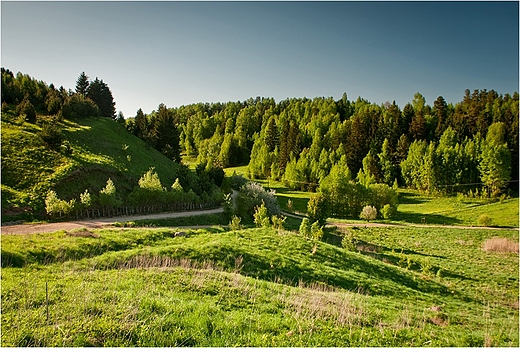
point(430, 219)
point(329, 265)
point(412, 198)
point(283, 195)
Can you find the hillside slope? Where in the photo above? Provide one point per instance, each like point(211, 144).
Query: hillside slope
point(99, 149)
point(258, 287)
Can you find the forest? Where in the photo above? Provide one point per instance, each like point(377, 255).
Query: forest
point(354, 153)
point(469, 147)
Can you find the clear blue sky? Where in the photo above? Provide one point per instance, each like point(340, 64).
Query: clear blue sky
point(185, 52)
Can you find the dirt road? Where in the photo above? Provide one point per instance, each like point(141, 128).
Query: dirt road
point(96, 223)
point(104, 222)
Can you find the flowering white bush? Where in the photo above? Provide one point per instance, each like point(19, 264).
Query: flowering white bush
point(368, 213)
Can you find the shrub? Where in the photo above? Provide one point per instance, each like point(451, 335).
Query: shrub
point(77, 106)
point(388, 211)
point(52, 203)
point(26, 109)
point(368, 213)
point(252, 195)
point(316, 231)
point(484, 220)
point(51, 134)
point(107, 196)
point(234, 224)
point(278, 221)
point(261, 217)
point(305, 228)
point(85, 199)
point(236, 181)
point(349, 242)
point(149, 191)
point(499, 244)
point(381, 195)
point(55, 206)
point(317, 208)
point(290, 206)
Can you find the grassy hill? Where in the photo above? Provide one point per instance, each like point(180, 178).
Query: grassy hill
point(100, 149)
point(258, 287)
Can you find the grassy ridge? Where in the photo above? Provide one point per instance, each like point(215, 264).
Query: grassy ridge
point(101, 149)
point(259, 287)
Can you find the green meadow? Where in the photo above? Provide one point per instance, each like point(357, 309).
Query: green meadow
point(142, 286)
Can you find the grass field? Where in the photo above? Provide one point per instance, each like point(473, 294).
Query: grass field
point(30, 168)
point(416, 207)
point(259, 287)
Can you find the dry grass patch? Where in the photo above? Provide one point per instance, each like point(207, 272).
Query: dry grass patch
point(501, 245)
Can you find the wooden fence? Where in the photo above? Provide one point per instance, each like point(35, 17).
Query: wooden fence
point(140, 210)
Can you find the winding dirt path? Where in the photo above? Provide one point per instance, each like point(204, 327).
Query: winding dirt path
point(97, 223)
point(382, 224)
point(106, 222)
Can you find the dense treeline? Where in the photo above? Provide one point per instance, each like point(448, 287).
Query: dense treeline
point(31, 97)
point(470, 145)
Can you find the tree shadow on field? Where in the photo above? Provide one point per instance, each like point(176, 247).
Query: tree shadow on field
point(412, 198)
point(283, 195)
point(428, 219)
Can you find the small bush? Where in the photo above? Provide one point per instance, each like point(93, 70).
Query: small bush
point(77, 106)
point(261, 217)
point(26, 109)
point(317, 208)
point(305, 228)
point(499, 244)
point(234, 224)
point(316, 231)
point(85, 199)
point(236, 181)
point(368, 213)
point(290, 206)
point(278, 222)
point(484, 220)
point(349, 242)
point(51, 134)
point(388, 211)
point(252, 195)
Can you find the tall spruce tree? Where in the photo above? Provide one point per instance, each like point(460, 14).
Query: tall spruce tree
point(166, 135)
point(82, 84)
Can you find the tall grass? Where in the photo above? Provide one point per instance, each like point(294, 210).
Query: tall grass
point(503, 245)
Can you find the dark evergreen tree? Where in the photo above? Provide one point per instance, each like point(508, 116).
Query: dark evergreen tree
point(440, 112)
point(166, 135)
point(100, 93)
point(82, 84)
point(27, 110)
point(271, 134)
point(141, 124)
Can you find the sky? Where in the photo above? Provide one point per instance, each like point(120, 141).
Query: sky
point(179, 53)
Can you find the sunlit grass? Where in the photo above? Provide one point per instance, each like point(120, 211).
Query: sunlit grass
point(404, 287)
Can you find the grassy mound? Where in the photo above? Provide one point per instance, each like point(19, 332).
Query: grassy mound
point(99, 149)
point(258, 287)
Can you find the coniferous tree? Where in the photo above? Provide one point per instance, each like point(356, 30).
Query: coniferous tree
point(271, 134)
point(440, 111)
point(82, 84)
point(166, 135)
point(100, 93)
